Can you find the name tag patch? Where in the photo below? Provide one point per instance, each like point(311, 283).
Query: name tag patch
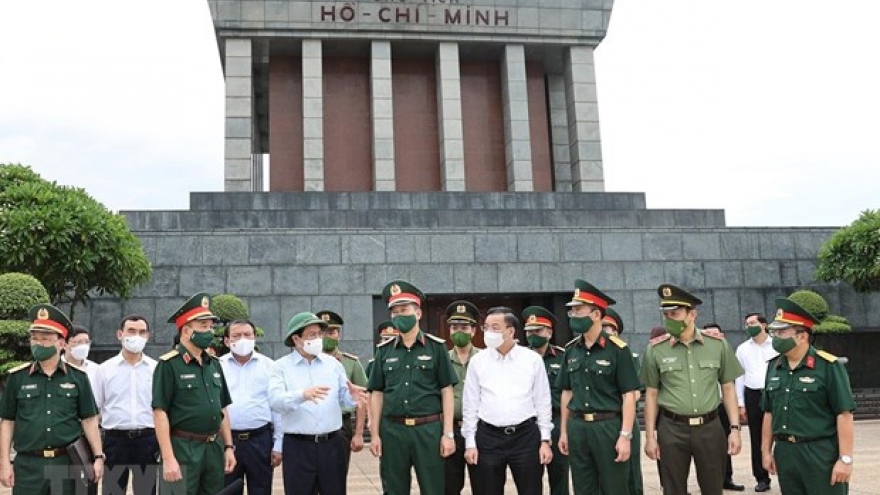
point(392, 360)
point(424, 358)
point(555, 366)
point(669, 360)
point(807, 379)
point(602, 362)
point(216, 375)
point(68, 386)
point(30, 386)
point(188, 376)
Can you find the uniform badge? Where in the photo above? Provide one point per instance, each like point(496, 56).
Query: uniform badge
point(780, 313)
point(30, 386)
point(216, 375)
point(532, 319)
point(206, 302)
point(811, 362)
point(577, 294)
point(395, 290)
point(602, 362)
point(555, 366)
point(669, 360)
point(392, 360)
point(667, 291)
point(774, 378)
point(807, 379)
point(43, 314)
point(325, 317)
point(424, 358)
point(68, 386)
point(460, 309)
point(188, 376)
point(572, 360)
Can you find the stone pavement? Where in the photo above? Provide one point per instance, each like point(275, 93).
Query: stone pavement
point(364, 475)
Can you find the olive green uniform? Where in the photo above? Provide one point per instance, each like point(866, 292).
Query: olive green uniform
point(687, 377)
point(47, 412)
point(411, 380)
point(636, 484)
point(597, 376)
point(193, 396)
point(804, 403)
point(354, 371)
point(455, 463)
point(557, 470)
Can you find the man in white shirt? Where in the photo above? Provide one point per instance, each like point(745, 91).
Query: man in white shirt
point(76, 352)
point(507, 410)
point(123, 392)
point(247, 373)
point(753, 355)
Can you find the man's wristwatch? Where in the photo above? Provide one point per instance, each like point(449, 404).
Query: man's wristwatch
point(99, 456)
point(228, 447)
point(626, 434)
point(449, 434)
point(846, 459)
point(736, 427)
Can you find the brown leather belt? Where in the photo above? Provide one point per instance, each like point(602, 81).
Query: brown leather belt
point(196, 437)
point(416, 421)
point(796, 439)
point(595, 416)
point(690, 420)
point(46, 453)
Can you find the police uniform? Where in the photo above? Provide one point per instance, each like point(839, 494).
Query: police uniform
point(411, 380)
point(535, 318)
point(385, 330)
point(804, 404)
point(460, 312)
point(194, 396)
point(598, 376)
point(686, 377)
point(47, 412)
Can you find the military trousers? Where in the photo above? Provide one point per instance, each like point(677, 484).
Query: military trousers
point(679, 443)
point(407, 447)
point(591, 455)
point(557, 470)
point(201, 466)
point(45, 476)
point(636, 485)
point(806, 467)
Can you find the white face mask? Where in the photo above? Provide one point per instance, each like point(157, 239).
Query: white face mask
point(242, 347)
point(134, 343)
point(493, 340)
point(314, 346)
point(80, 352)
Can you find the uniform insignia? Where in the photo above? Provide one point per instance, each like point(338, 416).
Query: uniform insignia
point(371, 360)
point(392, 360)
point(19, 367)
point(780, 313)
point(43, 314)
point(811, 362)
point(557, 348)
point(601, 342)
point(29, 386)
point(602, 362)
point(68, 386)
point(827, 356)
point(572, 341)
point(424, 358)
point(460, 309)
point(187, 357)
point(386, 341)
point(216, 375)
point(350, 356)
point(206, 302)
point(807, 379)
point(168, 355)
point(572, 360)
point(325, 317)
point(395, 290)
point(667, 291)
point(712, 335)
point(662, 338)
point(635, 355)
point(619, 342)
point(532, 319)
point(435, 338)
point(774, 378)
point(555, 365)
point(188, 376)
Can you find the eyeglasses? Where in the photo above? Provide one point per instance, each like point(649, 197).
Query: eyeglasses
point(494, 328)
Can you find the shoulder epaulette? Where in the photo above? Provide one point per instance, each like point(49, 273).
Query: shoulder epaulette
point(662, 338)
point(436, 338)
point(350, 356)
point(827, 356)
point(371, 360)
point(619, 342)
point(168, 355)
point(562, 349)
point(714, 336)
point(572, 341)
point(18, 368)
point(386, 341)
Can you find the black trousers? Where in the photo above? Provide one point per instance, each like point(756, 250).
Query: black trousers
point(454, 467)
point(310, 465)
point(755, 417)
point(725, 424)
point(136, 456)
point(519, 450)
point(253, 463)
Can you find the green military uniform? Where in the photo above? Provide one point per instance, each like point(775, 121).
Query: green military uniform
point(47, 411)
point(804, 403)
point(193, 396)
point(687, 376)
point(385, 330)
point(411, 379)
point(536, 318)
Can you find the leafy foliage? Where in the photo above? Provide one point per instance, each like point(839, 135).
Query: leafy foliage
point(818, 306)
point(66, 239)
point(14, 344)
point(852, 254)
point(18, 292)
point(228, 308)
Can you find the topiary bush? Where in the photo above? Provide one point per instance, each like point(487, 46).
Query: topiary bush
point(227, 308)
point(812, 302)
point(14, 344)
point(18, 292)
point(833, 324)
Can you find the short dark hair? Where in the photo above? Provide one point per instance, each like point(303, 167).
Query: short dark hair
point(133, 318)
point(510, 318)
point(240, 321)
point(76, 330)
point(759, 317)
point(711, 325)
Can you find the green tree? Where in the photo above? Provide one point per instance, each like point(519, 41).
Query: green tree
point(18, 292)
point(852, 254)
point(818, 306)
point(71, 243)
point(227, 308)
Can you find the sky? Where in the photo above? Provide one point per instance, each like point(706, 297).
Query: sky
point(768, 110)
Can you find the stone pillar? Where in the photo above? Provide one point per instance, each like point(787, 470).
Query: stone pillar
point(559, 133)
point(313, 116)
point(382, 111)
point(238, 171)
point(583, 120)
point(452, 176)
point(517, 134)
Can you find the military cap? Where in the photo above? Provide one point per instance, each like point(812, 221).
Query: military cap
point(536, 317)
point(333, 320)
point(613, 318)
point(299, 322)
point(48, 318)
point(586, 293)
point(462, 311)
point(386, 329)
point(197, 307)
point(672, 297)
point(399, 292)
point(790, 313)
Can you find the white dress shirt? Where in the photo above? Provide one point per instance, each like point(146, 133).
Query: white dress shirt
point(291, 376)
point(505, 390)
point(124, 392)
point(753, 358)
point(89, 367)
point(249, 388)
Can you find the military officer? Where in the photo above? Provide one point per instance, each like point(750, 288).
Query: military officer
point(538, 324)
point(808, 408)
point(681, 372)
point(463, 318)
point(385, 330)
point(612, 324)
point(354, 371)
point(190, 396)
point(412, 402)
point(598, 383)
point(46, 406)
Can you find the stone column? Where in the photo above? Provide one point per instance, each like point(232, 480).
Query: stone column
point(583, 120)
point(313, 116)
point(517, 134)
point(382, 110)
point(452, 176)
point(559, 132)
point(238, 171)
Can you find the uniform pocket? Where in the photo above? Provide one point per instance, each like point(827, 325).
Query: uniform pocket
point(670, 367)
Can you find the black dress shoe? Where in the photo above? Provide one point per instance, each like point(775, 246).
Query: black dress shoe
point(730, 485)
point(763, 486)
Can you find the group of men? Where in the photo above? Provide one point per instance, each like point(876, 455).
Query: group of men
point(440, 412)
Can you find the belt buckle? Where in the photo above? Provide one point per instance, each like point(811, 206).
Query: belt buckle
point(509, 430)
point(589, 417)
point(321, 438)
point(243, 436)
point(48, 454)
point(792, 439)
point(132, 433)
point(698, 421)
point(409, 421)
point(211, 438)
